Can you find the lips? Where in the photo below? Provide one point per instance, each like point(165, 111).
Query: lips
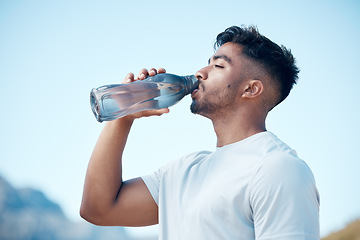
point(194, 92)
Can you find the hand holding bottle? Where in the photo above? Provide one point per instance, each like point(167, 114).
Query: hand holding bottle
point(144, 73)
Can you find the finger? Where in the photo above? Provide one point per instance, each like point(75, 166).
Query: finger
point(152, 72)
point(143, 74)
point(129, 78)
point(161, 70)
point(157, 112)
point(162, 111)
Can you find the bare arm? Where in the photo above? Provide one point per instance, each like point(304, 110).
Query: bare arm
point(107, 200)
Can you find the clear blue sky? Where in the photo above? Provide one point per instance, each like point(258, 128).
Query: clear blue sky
point(53, 52)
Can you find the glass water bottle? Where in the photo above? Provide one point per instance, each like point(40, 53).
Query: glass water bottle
point(163, 90)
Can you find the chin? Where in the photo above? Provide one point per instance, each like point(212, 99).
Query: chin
point(193, 107)
point(197, 109)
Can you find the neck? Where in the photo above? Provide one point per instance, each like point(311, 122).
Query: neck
point(236, 127)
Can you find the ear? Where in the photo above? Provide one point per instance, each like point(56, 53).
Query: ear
point(253, 89)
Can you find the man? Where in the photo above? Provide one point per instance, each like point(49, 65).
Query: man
point(252, 187)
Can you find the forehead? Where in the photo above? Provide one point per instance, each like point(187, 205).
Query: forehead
point(230, 50)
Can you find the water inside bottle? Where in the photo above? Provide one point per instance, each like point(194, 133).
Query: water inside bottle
point(130, 98)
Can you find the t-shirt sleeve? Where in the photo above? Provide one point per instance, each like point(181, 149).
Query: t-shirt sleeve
point(284, 200)
point(152, 181)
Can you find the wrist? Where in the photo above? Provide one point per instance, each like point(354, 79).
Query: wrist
point(126, 120)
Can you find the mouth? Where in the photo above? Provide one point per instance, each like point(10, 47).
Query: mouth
point(194, 92)
point(199, 88)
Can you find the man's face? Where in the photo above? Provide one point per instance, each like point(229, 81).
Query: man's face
point(219, 81)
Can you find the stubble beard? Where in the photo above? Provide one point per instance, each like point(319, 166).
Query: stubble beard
point(213, 102)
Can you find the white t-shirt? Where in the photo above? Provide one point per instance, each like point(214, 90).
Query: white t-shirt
point(256, 188)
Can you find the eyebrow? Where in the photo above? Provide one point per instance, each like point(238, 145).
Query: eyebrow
point(224, 57)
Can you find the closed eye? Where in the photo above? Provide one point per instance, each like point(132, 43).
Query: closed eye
point(218, 66)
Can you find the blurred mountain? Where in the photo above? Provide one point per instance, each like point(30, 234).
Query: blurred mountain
point(350, 232)
point(27, 214)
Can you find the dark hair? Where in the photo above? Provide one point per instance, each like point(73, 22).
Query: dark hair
point(278, 61)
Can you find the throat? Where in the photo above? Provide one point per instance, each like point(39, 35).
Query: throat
point(232, 130)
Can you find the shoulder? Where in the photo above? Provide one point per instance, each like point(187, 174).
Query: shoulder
point(284, 198)
point(280, 170)
point(284, 163)
point(279, 161)
point(282, 175)
point(285, 171)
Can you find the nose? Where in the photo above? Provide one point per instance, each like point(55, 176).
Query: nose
point(202, 74)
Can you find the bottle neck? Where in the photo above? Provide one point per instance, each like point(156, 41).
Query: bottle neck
point(191, 83)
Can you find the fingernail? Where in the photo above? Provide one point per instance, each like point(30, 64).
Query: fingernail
point(142, 75)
